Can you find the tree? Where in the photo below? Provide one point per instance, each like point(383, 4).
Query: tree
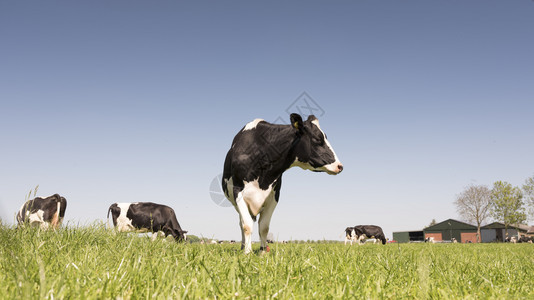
point(432, 223)
point(528, 193)
point(507, 204)
point(473, 205)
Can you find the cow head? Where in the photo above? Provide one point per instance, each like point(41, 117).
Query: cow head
point(182, 235)
point(348, 232)
point(313, 151)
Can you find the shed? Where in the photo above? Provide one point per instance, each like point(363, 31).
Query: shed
point(408, 236)
point(448, 229)
point(495, 232)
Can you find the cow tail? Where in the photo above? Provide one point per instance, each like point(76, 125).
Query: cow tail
point(55, 218)
point(58, 211)
point(109, 209)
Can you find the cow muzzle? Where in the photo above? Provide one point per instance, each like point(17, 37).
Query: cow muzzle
point(335, 168)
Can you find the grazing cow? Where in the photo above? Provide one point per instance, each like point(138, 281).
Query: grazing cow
point(510, 240)
point(430, 240)
point(43, 212)
point(254, 165)
point(146, 216)
point(362, 232)
point(525, 239)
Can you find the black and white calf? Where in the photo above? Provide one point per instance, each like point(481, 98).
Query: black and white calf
point(146, 216)
point(254, 165)
point(361, 232)
point(43, 212)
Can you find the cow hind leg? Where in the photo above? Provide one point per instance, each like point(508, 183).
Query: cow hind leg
point(157, 234)
point(265, 220)
point(246, 223)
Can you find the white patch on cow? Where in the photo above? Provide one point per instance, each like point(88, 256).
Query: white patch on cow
point(252, 125)
point(332, 168)
point(255, 197)
point(229, 189)
point(156, 235)
point(36, 219)
point(123, 223)
point(302, 165)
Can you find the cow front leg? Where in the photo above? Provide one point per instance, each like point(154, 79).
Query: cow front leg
point(246, 223)
point(242, 232)
point(167, 230)
point(265, 220)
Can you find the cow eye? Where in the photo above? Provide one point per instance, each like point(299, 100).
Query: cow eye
point(317, 141)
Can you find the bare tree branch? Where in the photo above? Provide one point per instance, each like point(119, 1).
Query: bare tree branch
point(473, 205)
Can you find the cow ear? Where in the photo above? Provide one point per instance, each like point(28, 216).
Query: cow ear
point(296, 122)
point(311, 118)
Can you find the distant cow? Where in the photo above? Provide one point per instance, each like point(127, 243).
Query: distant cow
point(362, 232)
point(148, 216)
point(430, 239)
point(260, 153)
point(43, 212)
point(510, 240)
point(525, 239)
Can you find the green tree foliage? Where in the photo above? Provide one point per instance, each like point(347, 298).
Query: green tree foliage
point(528, 193)
point(507, 204)
point(473, 205)
point(193, 238)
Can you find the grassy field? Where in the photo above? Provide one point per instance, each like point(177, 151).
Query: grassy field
point(91, 262)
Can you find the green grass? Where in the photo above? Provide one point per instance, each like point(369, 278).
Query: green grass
point(93, 263)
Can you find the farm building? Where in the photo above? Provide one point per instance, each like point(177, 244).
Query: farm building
point(448, 229)
point(495, 232)
point(409, 236)
point(463, 232)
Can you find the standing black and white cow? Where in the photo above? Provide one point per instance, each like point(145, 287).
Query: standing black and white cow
point(254, 165)
point(146, 215)
point(362, 232)
point(43, 212)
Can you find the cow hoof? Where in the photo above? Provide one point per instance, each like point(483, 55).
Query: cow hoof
point(265, 249)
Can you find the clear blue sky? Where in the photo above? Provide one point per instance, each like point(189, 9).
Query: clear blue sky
point(127, 101)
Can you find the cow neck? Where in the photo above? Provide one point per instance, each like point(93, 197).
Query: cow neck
point(275, 159)
point(285, 155)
